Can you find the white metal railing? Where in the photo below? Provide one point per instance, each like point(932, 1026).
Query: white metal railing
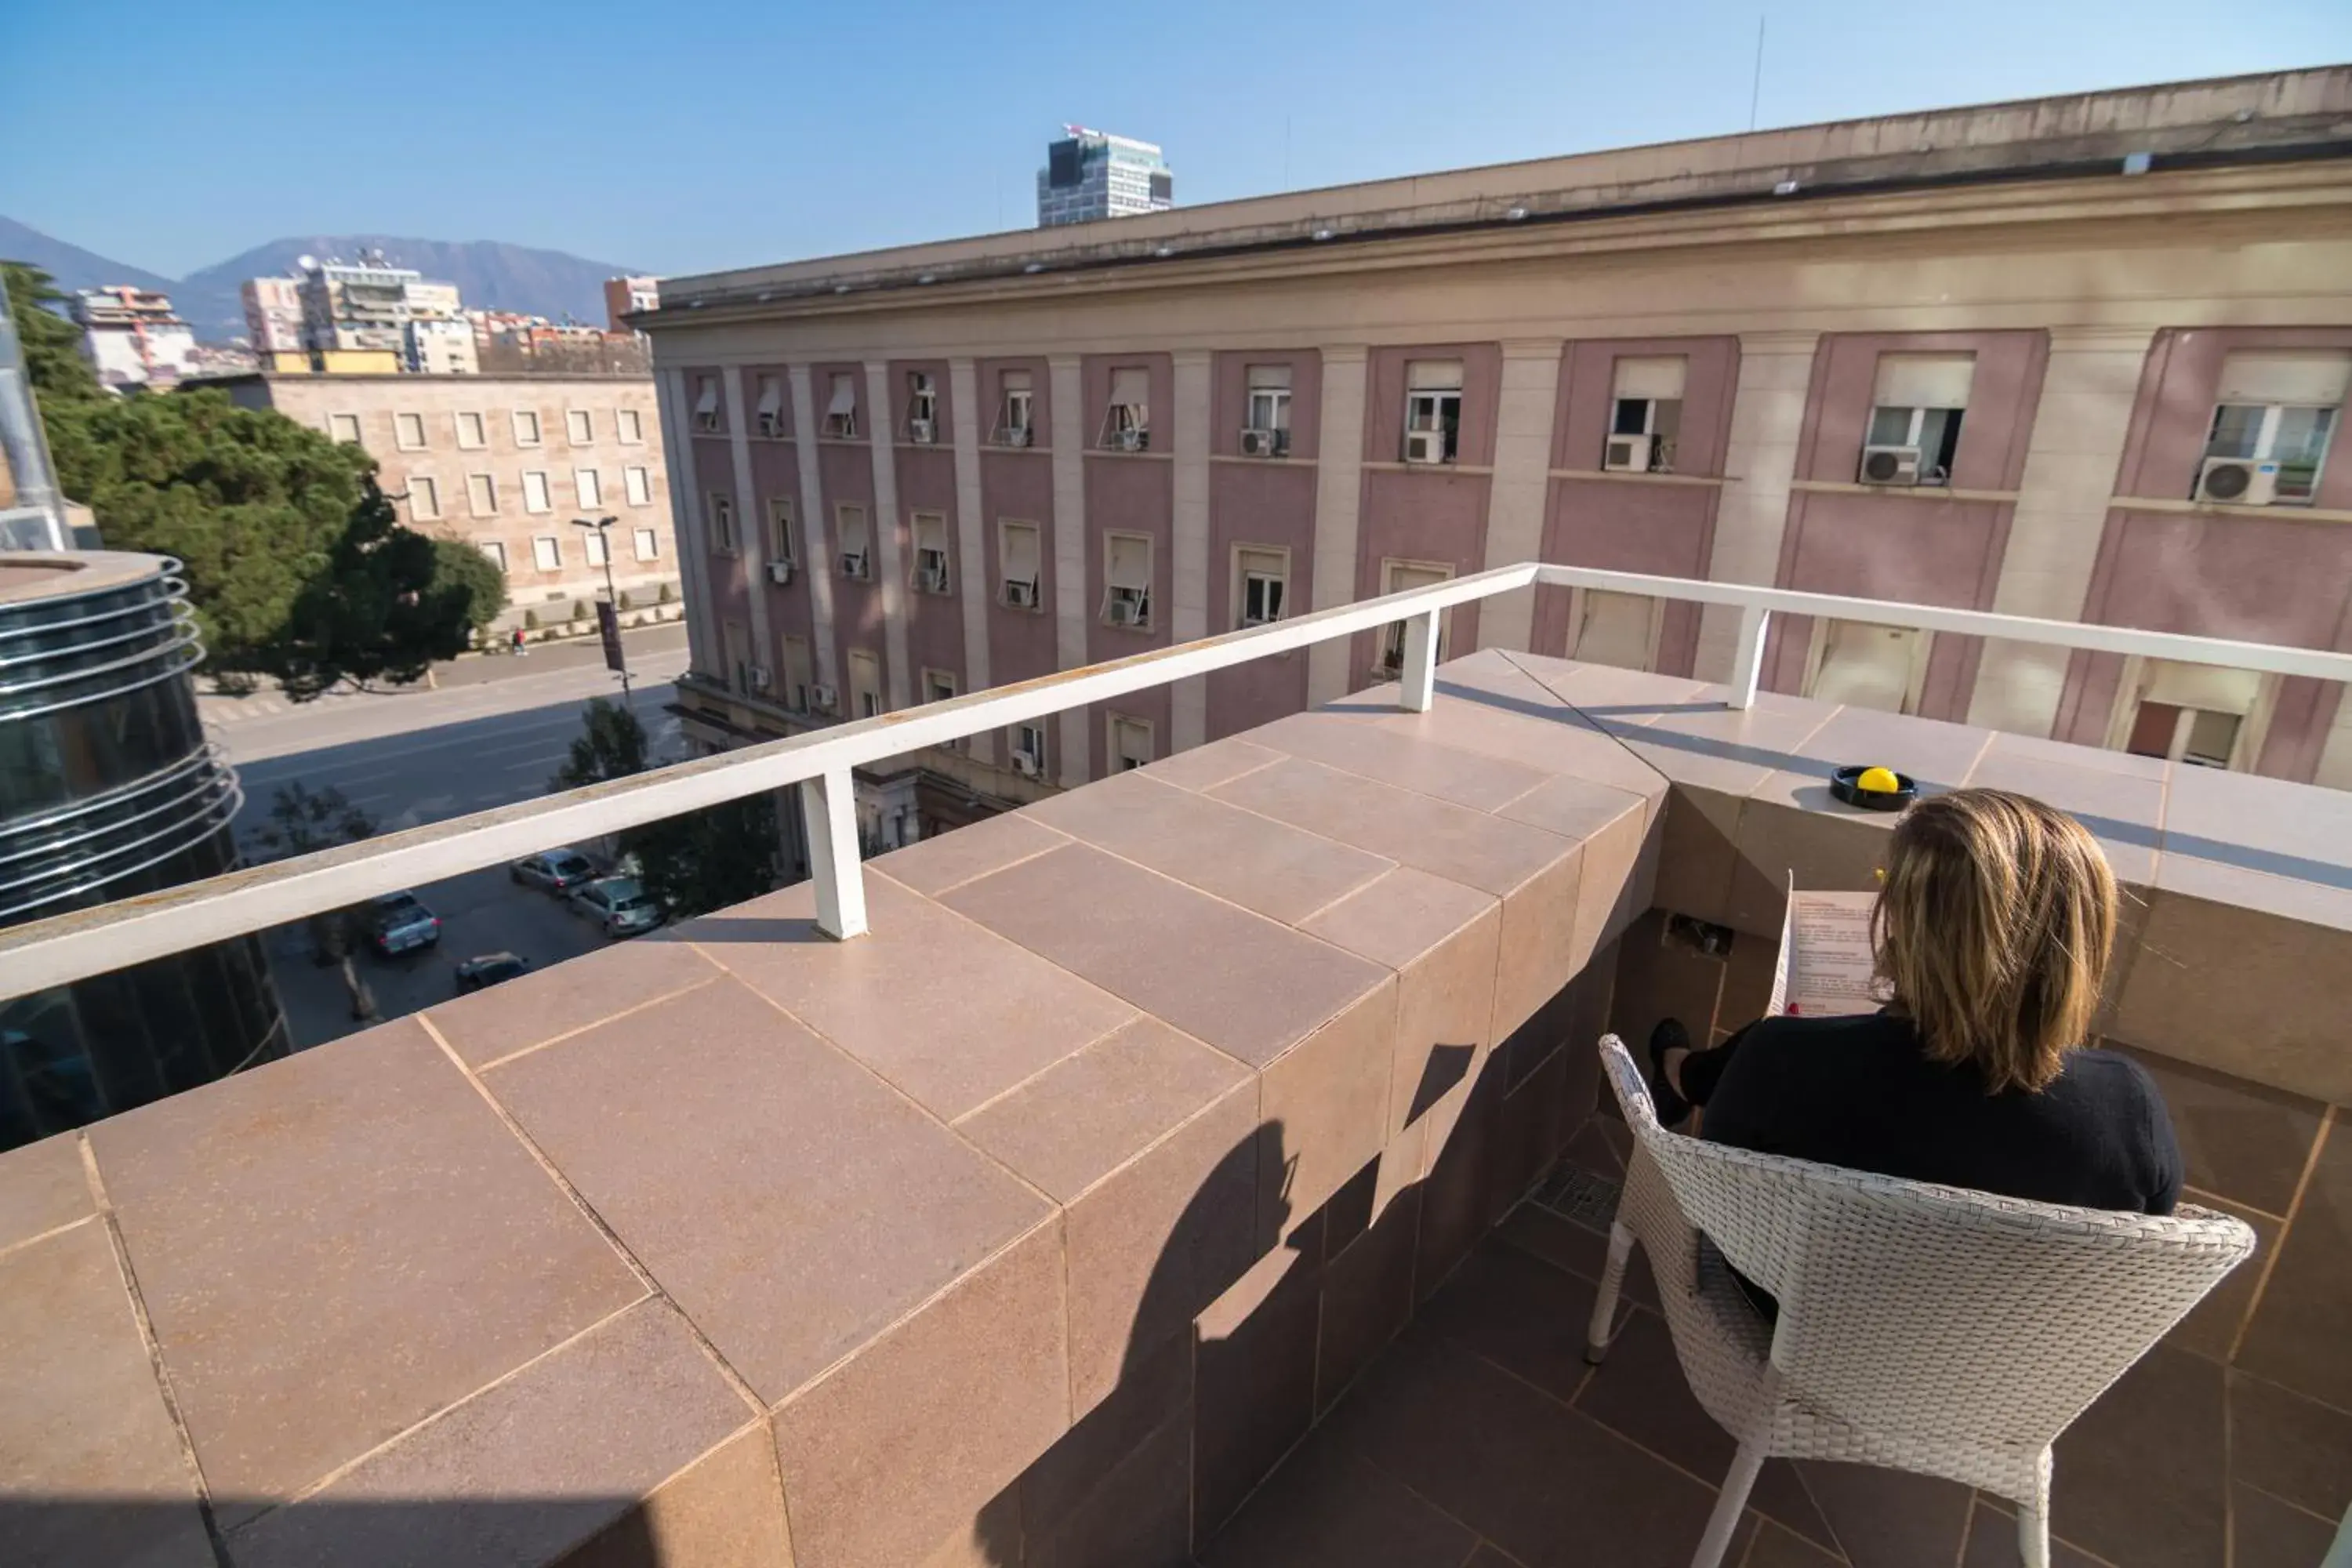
point(83, 942)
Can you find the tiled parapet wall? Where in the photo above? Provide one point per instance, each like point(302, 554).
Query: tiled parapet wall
point(1031, 1228)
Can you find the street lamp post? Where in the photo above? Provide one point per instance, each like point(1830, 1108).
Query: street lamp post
point(619, 657)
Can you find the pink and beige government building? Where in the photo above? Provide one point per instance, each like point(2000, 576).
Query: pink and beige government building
point(2079, 358)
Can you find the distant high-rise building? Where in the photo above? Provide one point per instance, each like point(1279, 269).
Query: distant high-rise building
point(273, 314)
point(625, 295)
point(131, 337)
point(371, 305)
point(1092, 173)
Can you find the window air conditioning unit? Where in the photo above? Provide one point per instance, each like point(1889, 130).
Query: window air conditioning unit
point(1021, 593)
point(1890, 465)
point(780, 573)
point(1424, 447)
point(853, 563)
point(2241, 481)
point(1124, 613)
point(772, 424)
point(1025, 765)
point(934, 581)
point(708, 424)
point(824, 698)
point(760, 677)
point(1016, 436)
point(922, 431)
point(1261, 443)
point(1626, 455)
point(1130, 441)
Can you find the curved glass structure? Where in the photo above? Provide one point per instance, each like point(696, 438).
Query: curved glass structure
point(108, 790)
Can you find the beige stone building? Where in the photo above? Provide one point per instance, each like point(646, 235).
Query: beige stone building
point(507, 463)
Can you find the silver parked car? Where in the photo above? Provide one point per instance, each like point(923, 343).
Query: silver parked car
point(619, 904)
point(553, 870)
point(397, 923)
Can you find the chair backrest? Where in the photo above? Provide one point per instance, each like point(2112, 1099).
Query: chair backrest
point(1911, 1307)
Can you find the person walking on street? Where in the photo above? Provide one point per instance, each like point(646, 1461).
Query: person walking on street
point(519, 648)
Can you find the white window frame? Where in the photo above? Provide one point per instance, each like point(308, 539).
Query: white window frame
point(481, 430)
point(922, 402)
point(1029, 739)
point(629, 427)
point(424, 503)
point(494, 552)
point(1426, 407)
point(1247, 571)
point(855, 565)
point(1389, 658)
point(784, 537)
point(840, 424)
point(646, 544)
point(481, 495)
point(1016, 409)
point(798, 673)
point(516, 421)
point(637, 485)
point(710, 417)
point(580, 427)
point(1581, 606)
point(2246, 747)
point(768, 415)
point(1922, 649)
point(1932, 473)
point(722, 512)
point(1122, 419)
point(1118, 757)
point(537, 499)
point(1115, 593)
point(1006, 595)
point(588, 486)
point(1267, 408)
point(592, 540)
point(868, 699)
point(2266, 442)
point(934, 566)
point(339, 422)
point(402, 422)
point(546, 553)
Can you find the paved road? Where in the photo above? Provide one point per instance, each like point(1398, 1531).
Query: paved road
point(415, 757)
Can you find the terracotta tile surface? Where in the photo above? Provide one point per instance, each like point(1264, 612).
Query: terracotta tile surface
point(1093, 1111)
point(2290, 1447)
point(335, 1246)
point(950, 859)
point(1357, 743)
point(725, 1511)
point(1157, 944)
point(2212, 1326)
point(2224, 880)
point(2268, 1533)
point(742, 1160)
point(1888, 1518)
point(1367, 1296)
point(951, 1013)
point(1326, 1509)
point(1774, 1547)
point(1324, 1108)
point(936, 1416)
point(90, 1469)
point(1206, 767)
point(1538, 1479)
point(2042, 749)
point(1254, 1375)
point(503, 1019)
point(42, 1187)
point(2140, 1474)
point(1140, 1517)
point(2297, 1337)
point(2121, 810)
point(2239, 1139)
point(524, 1470)
point(1992, 1543)
point(1578, 808)
point(1940, 756)
point(1511, 718)
point(1282, 872)
point(1602, 689)
point(1400, 917)
point(2261, 824)
point(1523, 1315)
point(1431, 834)
point(2178, 1001)
point(1154, 1395)
point(1725, 749)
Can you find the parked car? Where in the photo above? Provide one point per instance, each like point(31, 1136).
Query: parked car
point(489, 969)
point(398, 923)
point(553, 870)
point(620, 904)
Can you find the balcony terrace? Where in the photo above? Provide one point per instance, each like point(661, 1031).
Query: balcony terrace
point(1205, 1164)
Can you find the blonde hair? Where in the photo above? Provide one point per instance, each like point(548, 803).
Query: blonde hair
point(1993, 929)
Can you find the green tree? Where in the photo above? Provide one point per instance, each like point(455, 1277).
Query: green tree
point(458, 565)
point(380, 609)
point(303, 821)
point(693, 863)
point(52, 344)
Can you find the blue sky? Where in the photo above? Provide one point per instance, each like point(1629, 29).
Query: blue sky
point(691, 137)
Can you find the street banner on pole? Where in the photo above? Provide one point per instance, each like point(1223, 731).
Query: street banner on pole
point(608, 626)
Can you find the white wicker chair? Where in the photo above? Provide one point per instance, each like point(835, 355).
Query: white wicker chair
point(1921, 1327)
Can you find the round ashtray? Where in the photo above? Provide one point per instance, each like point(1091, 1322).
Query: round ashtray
point(1846, 785)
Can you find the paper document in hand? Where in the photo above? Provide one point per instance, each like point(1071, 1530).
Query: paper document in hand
point(1825, 965)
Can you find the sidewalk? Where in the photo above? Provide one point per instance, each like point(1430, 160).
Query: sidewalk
point(467, 669)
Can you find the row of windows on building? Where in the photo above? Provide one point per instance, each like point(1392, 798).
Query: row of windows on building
point(546, 549)
point(484, 495)
point(470, 428)
point(2272, 421)
point(1261, 573)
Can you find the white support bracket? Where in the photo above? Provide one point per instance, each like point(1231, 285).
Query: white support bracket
point(829, 811)
point(1748, 658)
point(1420, 672)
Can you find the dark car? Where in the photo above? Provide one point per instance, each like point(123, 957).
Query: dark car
point(488, 969)
point(554, 870)
point(398, 923)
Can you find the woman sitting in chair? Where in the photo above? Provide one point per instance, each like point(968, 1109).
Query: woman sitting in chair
point(1992, 931)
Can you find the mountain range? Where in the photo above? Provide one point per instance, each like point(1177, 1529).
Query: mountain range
point(488, 275)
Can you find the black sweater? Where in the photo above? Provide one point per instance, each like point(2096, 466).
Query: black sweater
point(1858, 1092)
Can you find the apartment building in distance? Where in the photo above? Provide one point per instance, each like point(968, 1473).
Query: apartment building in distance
point(1091, 174)
point(2082, 359)
point(132, 337)
point(625, 297)
point(370, 306)
point(507, 463)
point(273, 315)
